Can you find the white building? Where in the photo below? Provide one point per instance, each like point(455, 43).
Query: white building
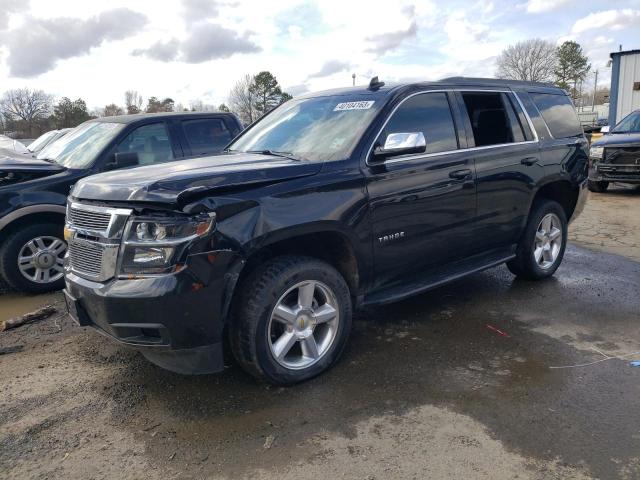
point(625, 84)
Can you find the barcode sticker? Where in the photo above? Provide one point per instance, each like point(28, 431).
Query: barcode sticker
point(364, 105)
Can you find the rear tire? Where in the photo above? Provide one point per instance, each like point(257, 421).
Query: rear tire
point(543, 242)
point(291, 320)
point(598, 187)
point(45, 244)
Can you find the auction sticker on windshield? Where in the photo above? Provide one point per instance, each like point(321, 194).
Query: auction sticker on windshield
point(363, 105)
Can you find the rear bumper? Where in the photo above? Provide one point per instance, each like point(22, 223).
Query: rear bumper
point(583, 194)
point(176, 321)
point(607, 172)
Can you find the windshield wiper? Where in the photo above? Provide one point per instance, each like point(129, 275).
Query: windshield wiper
point(275, 153)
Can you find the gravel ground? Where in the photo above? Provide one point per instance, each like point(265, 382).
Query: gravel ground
point(427, 388)
point(611, 222)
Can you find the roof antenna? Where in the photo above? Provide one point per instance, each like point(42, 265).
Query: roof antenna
point(374, 84)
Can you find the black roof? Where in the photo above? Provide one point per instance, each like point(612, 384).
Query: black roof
point(127, 119)
point(450, 81)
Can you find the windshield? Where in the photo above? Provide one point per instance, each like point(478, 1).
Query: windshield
point(80, 147)
point(629, 124)
point(316, 129)
point(41, 141)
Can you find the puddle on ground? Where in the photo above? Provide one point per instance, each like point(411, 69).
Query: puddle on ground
point(13, 304)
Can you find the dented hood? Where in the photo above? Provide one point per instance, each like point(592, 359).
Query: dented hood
point(164, 183)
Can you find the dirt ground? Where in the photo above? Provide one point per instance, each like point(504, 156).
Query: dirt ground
point(426, 389)
point(611, 222)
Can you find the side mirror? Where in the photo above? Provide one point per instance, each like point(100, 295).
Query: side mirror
point(605, 129)
point(123, 160)
point(401, 144)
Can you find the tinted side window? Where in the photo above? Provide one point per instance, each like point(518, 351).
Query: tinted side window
point(207, 135)
point(558, 113)
point(493, 121)
point(430, 114)
point(150, 142)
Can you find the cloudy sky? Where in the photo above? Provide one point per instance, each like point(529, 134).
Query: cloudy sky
point(197, 49)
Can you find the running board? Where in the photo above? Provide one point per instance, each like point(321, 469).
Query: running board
point(437, 278)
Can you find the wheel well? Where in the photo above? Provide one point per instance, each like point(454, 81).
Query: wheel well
point(331, 247)
point(31, 219)
point(562, 192)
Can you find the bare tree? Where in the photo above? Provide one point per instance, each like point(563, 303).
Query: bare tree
point(27, 105)
point(200, 106)
point(133, 101)
point(112, 110)
point(242, 99)
point(532, 60)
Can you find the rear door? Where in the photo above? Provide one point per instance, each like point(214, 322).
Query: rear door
point(422, 205)
point(506, 155)
point(206, 136)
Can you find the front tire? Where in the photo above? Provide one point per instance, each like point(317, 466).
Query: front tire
point(543, 243)
point(291, 320)
point(598, 187)
point(31, 258)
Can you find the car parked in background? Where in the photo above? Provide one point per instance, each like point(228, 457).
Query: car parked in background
point(334, 200)
point(11, 145)
point(33, 190)
point(46, 139)
point(615, 157)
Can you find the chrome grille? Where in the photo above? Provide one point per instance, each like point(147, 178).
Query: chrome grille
point(86, 258)
point(89, 220)
point(95, 235)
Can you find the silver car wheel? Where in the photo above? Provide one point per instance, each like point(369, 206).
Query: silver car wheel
point(548, 242)
point(41, 259)
point(303, 325)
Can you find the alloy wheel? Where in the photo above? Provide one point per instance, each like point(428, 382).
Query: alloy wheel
point(41, 259)
point(548, 242)
point(303, 325)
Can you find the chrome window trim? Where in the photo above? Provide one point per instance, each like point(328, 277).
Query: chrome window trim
point(459, 150)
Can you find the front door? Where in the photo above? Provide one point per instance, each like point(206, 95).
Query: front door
point(422, 205)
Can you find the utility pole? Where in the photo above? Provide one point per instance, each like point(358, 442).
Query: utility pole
point(353, 76)
point(595, 89)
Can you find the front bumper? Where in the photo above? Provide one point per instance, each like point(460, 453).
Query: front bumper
point(608, 172)
point(176, 321)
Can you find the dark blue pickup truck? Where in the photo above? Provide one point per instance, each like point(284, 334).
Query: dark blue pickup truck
point(616, 156)
point(34, 189)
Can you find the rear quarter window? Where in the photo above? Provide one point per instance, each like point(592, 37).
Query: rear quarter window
point(558, 113)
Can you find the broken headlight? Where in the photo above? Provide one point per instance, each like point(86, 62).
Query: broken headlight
point(153, 246)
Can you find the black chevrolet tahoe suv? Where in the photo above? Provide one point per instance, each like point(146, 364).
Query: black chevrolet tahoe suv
point(334, 200)
point(616, 156)
point(33, 190)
